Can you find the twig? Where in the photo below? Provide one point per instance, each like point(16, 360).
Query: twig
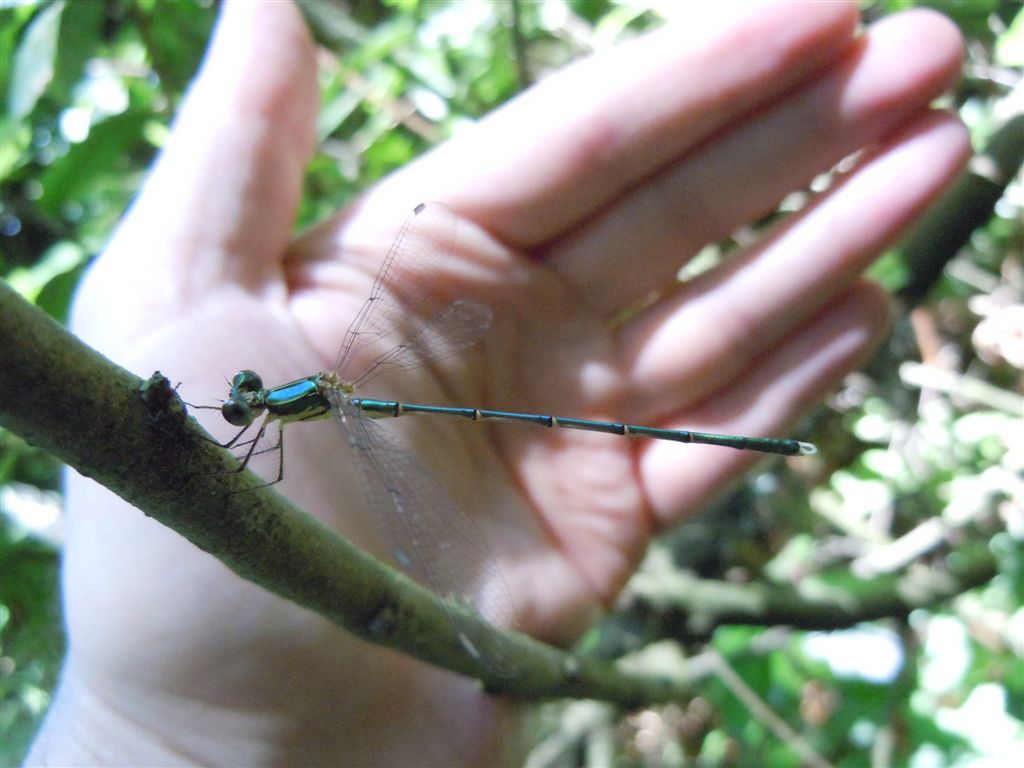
point(519, 46)
point(960, 210)
point(686, 608)
point(960, 385)
point(765, 714)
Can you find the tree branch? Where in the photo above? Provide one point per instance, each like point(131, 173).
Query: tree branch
point(960, 210)
point(685, 607)
point(136, 439)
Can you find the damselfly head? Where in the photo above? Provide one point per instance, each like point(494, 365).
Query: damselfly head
point(246, 381)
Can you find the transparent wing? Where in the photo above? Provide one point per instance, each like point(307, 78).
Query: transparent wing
point(403, 293)
point(453, 329)
point(431, 538)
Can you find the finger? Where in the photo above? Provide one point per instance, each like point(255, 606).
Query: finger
point(775, 391)
point(221, 199)
point(895, 71)
point(727, 318)
point(567, 146)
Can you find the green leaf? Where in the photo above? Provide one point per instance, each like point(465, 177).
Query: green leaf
point(86, 163)
point(175, 35)
point(1010, 45)
point(13, 20)
point(61, 258)
point(35, 61)
point(78, 40)
point(15, 137)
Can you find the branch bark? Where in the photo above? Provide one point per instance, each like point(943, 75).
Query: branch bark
point(136, 439)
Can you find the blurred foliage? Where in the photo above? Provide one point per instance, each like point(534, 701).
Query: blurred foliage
point(923, 451)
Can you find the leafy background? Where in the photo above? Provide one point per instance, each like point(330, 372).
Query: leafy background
point(865, 606)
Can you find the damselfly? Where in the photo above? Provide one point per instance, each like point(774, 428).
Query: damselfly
point(432, 538)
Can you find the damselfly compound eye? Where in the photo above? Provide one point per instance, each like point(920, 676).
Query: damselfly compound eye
point(236, 412)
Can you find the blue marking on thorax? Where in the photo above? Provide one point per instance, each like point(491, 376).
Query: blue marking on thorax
point(298, 401)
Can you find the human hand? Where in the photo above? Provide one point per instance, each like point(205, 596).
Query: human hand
point(577, 201)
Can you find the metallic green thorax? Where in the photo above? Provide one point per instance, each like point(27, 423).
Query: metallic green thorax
point(300, 400)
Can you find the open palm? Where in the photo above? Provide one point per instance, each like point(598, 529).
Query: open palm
point(577, 204)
